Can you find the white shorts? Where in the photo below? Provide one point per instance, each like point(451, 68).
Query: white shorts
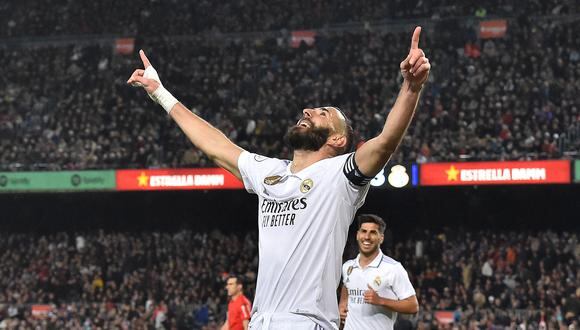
point(282, 321)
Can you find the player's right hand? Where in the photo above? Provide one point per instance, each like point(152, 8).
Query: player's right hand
point(416, 67)
point(147, 77)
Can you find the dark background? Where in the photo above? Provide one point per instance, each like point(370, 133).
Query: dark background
point(480, 207)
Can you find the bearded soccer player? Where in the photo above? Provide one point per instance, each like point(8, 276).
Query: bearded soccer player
point(238, 307)
point(305, 204)
point(375, 286)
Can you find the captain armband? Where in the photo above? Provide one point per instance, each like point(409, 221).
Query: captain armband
point(353, 174)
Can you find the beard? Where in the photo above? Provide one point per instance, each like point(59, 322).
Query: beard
point(308, 139)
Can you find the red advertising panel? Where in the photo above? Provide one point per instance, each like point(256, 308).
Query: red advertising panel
point(177, 179)
point(299, 36)
point(125, 46)
point(444, 317)
point(40, 311)
point(492, 29)
point(532, 172)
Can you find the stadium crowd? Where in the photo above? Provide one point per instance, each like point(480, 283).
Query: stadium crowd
point(496, 279)
point(175, 280)
point(508, 98)
point(121, 280)
point(68, 107)
point(149, 17)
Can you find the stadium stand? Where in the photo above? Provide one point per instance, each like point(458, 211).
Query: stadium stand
point(176, 279)
point(482, 103)
point(62, 17)
point(64, 105)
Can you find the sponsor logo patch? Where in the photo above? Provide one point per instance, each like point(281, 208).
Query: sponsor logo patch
point(272, 180)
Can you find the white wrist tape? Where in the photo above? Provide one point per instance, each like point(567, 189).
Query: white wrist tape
point(151, 73)
point(164, 98)
point(160, 95)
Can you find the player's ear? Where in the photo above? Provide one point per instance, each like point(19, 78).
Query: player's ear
point(337, 141)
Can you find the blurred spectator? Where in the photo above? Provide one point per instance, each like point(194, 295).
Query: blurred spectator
point(145, 17)
point(542, 283)
point(517, 100)
point(174, 280)
point(159, 279)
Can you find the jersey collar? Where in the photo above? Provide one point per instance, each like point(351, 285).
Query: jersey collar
point(305, 172)
point(288, 172)
point(375, 263)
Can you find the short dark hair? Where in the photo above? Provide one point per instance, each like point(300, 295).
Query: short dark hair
point(372, 218)
point(238, 278)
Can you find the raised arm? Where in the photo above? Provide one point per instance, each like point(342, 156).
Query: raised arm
point(372, 156)
point(202, 134)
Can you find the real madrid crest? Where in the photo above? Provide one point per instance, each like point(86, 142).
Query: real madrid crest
point(272, 180)
point(348, 271)
point(306, 185)
point(377, 281)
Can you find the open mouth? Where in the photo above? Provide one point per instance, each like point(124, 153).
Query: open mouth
point(305, 123)
point(366, 244)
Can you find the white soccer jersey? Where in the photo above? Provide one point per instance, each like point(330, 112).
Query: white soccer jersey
point(303, 221)
point(386, 276)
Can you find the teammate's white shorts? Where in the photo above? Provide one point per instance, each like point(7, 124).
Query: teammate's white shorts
point(282, 321)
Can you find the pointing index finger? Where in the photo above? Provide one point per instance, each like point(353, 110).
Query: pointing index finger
point(415, 39)
point(144, 59)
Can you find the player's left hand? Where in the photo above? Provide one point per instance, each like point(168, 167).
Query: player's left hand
point(147, 77)
point(371, 296)
point(416, 67)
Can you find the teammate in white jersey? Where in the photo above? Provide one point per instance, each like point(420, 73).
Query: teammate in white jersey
point(305, 205)
point(375, 287)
